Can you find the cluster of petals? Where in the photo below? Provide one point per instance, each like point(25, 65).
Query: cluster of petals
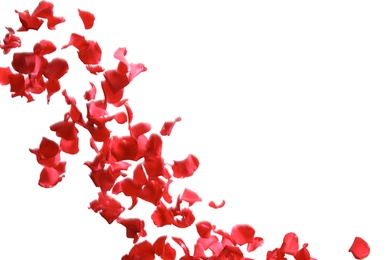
point(150, 177)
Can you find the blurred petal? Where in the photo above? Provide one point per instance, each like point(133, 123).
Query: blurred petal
point(359, 249)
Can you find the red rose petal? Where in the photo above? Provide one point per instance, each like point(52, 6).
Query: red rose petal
point(168, 126)
point(28, 21)
point(56, 69)
point(204, 228)
point(242, 234)
point(44, 47)
point(359, 249)
point(290, 244)
point(186, 167)
point(24, 62)
point(215, 206)
point(43, 10)
point(87, 18)
point(134, 227)
point(11, 41)
point(4, 75)
point(190, 197)
point(108, 207)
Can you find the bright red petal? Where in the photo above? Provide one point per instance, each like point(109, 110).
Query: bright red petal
point(290, 244)
point(87, 18)
point(215, 206)
point(185, 168)
point(359, 249)
point(242, 234)
point(190, 197)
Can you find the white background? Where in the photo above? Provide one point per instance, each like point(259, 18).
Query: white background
point(285, 103)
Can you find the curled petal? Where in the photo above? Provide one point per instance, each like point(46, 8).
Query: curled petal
point(28, 21)
point(215, 206)
point(168, 126)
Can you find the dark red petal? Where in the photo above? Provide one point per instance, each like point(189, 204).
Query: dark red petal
point(4, 75)
point(190, 197)
point(56, 69)
point(168, 126)
point(140, 129)
point(134, 227)
point(24, 62)
point(44, 47)
point(186, 167)
point(43, 10)
point(18, 87)
point(290, 244)
point(87, 18)
point(215, 206)
point(359, 249)
point(28, 21)
point(242, 234)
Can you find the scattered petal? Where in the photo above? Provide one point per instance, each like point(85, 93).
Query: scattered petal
point(215, 206)
point(359, 249)
point(87, 18)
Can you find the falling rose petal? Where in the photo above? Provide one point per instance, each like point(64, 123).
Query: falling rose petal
point(44, 47)
point(303, 253)
point(256, 242)
point(53, 21)
point(290, 244)
point(181, 243)
point(11, 41)
point(164, 250)
point(110, 96)
point(134, 227)
point(90, 94)
point(43, 10)
point(56, 68)
point(162, 216)
point(242, 234)
point(215, 206)
point(92, 54)
point(108, 207)
point(28, 21)
point(140, 129)
point(18, 87)
point(78, 41)
point(230, 252)
point(121, 117)
point(94, 69)
point(52, 86)
point(87, 18)
point(168, 126)
point(48, 153)
point(49, 177)
point(24, 62)
point(186, 167)
point(120, 54)
point(70, 146)
point(135, 70)
point(190, 197)
point(204, 228)
point(4, 75)
point(143, 250)
point(359, 249)
point(117, 81)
